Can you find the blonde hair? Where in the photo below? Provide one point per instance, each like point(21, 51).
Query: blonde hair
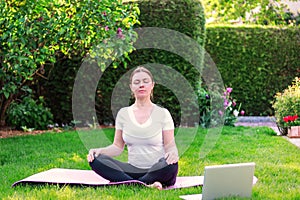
point(141, 69)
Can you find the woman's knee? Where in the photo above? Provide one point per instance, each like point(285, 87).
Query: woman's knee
point(98, 160)
point(163, 162)
point(164, 167)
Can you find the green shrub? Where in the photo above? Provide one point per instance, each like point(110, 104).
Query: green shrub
point(29, 114)
point(257, 61)
point(287, 103)
point(34, 34)
point(229, 111)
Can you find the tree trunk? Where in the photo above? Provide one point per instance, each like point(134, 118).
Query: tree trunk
point(4, 108)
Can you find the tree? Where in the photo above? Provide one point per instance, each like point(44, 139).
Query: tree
point(33, 34)
point(264, 12)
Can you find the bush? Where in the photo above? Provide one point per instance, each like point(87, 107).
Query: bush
point(257, 61)
point(229, 111)
point(183, 16)
point(29, 114)
point(287, 103)
point(34, 34)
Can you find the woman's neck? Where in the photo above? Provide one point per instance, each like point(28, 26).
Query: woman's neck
point(143, 103)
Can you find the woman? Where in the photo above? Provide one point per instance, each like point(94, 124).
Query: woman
point(148, 132)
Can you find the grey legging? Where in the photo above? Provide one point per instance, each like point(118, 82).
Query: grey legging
point(114, 170)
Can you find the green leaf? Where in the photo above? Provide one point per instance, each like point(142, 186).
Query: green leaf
point(6, 94)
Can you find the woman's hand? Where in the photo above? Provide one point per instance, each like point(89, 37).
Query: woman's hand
point(171, 150)
point(93, 153)
point(171, 157)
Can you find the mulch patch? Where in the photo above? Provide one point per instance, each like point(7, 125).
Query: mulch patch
point(6, 132)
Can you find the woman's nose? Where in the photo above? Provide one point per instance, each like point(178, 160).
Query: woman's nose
point(141, 84)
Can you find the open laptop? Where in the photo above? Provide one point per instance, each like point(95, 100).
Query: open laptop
point(225, 181)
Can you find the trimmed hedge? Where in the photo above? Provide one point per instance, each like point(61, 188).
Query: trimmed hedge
point(256, 61)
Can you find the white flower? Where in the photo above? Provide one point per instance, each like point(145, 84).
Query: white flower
point(236, 113)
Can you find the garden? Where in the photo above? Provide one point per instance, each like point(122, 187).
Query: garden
point(207, 79)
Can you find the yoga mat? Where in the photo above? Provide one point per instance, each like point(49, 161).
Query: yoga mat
point(90, 178)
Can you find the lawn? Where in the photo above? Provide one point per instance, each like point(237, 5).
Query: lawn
point(277, 164)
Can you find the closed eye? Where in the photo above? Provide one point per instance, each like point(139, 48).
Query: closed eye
point(145, 80)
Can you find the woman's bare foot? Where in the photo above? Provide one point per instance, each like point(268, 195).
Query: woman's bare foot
point(156, 185)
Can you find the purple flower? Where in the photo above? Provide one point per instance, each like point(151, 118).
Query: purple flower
point(207, 96)
point(229, 90)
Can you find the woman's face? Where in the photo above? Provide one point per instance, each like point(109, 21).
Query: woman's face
point(141, 85)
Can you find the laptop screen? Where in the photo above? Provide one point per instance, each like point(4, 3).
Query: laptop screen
point(228, 180)
point(225, 181)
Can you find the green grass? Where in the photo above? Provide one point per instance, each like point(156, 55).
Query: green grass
point(277, 164)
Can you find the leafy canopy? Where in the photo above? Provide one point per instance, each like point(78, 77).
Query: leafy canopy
point(34, 33)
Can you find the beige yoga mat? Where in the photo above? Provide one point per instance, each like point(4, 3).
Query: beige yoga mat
point(90, 178)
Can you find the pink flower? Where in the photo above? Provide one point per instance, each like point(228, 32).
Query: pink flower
point(106, 28)
point(120, 34)
point(229, 90)
point(226, 103)
point(220, 113)
point(233, 103)
point(242, 112)
point(119, 30)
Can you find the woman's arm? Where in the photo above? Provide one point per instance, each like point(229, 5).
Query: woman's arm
point(171, 154)
point(114, 149)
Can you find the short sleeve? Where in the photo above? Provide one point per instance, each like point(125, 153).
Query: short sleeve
point(168, 123)
point(120, 120)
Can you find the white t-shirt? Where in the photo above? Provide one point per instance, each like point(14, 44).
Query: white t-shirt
point(144, 141)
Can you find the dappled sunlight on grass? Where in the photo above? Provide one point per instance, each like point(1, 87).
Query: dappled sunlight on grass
point(76, 158)
point(292, 167)
point(72, 157)
point(277, 164)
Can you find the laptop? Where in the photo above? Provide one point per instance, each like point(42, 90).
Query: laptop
point(226, 181)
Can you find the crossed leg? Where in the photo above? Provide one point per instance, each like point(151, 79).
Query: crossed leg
point(159, 175)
